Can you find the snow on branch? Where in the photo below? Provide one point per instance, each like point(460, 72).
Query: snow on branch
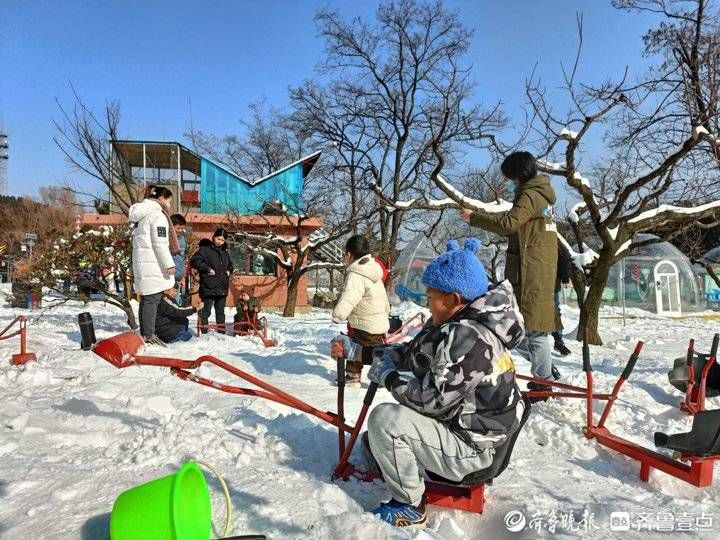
point(269, 238)
point(286, 263)
point(581, 260)
point(432, 203)
point(584, 181)
point(664, 211)
point(467, 202)
point(551, 167)
point(568, 134)
point(699, 132)
point(456, 200)
point(573, 215)
point(625, 245)
point(322, 265)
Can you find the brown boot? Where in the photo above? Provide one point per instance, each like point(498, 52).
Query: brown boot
point(353, 373)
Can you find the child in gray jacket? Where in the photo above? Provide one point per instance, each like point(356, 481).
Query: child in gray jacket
point(459, 400)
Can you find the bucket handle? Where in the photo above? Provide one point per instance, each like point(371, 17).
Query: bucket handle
point(228, 503)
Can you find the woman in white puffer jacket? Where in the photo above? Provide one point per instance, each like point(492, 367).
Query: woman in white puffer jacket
point(153, 266)
point(363, 303)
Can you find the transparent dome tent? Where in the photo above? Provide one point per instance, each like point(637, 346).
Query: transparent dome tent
point(655, 277)
point(421, 250)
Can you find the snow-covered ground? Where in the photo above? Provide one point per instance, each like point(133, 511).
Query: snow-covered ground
point(75, 432)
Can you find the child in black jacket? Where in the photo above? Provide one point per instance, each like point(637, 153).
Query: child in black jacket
point(171, 324)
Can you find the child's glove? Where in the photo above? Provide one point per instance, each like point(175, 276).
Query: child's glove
point(380, 369)
point(342, 347)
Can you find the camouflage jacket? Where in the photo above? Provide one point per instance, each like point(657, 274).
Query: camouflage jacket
point(461, 372)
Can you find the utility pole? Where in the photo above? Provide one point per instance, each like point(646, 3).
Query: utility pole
point(30, 239)
point(4, 157)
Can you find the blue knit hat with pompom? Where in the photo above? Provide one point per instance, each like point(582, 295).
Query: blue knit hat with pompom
point(458, 270)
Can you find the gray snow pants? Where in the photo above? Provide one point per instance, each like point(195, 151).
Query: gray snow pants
point(148, 313)
point(404, 443)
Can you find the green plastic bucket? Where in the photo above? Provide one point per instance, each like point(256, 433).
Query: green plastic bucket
point(175, 507)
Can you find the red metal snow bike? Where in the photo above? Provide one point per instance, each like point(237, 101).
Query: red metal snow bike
point(248, 326)
point(698, 375)
point(698, 449)
point(121, 351)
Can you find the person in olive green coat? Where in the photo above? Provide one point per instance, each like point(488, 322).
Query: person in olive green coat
point(531, 264)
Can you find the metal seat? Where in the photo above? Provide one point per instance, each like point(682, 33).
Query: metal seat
point(500, 460)
point(679, 375)
point(702, 440)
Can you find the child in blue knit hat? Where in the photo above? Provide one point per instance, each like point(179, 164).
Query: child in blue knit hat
point(454, 384)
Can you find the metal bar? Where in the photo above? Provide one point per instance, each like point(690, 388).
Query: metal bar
point(341, 402)
point(688, 400)
point(144, 166)
point(399, 334)
point(17, 332)
point(698, 473)
point(550, 393)
point(703, 382)
point(23, 336)
point(296, 403)
point(179, 182)
point(342, 464)
point(16, 319)
point(552, 383)
point(326, 416)
point(624, 376)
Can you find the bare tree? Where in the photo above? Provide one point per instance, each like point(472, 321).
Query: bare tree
point(336, 119)
point(661, 148)
point(394, 83)
point(268, 141)
point(85, 139)
point(302, 250)
point(663, 142)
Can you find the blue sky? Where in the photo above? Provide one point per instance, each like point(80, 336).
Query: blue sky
point(156, 56)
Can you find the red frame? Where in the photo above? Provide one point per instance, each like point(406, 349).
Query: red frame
point(120, 351)
point(694, 400)
point(695, 470)
point(23, 356)
point(415, 322)
point(248, 327)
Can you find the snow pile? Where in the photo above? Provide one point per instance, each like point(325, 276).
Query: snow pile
point(76, 432)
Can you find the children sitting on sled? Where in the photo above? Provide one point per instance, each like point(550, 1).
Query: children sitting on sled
point(454, 384)
point(247, 310)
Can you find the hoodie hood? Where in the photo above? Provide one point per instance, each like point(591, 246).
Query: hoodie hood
point(367, 267)
point(498, 311)
point(143, 209)
point(541, 185)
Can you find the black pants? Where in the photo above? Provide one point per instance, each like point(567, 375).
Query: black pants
point(219, 303)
